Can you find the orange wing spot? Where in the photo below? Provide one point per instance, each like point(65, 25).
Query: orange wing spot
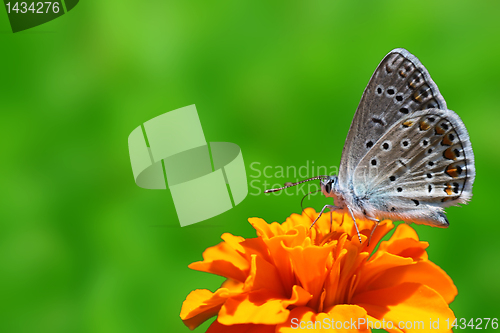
point(439, 130)
point(450, 198)
point(448, 189)
point(408, 123)
point(446, 141)
point(424, 126)
point(450, 154)
point(402, 73)
point(453, 170)
point(417, 96)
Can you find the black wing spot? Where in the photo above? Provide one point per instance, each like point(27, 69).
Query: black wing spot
point(457, 152)
point(444, 126)
point(456, 187)
point(392, 178)
point(416, 202)
point(369, 144)
point(429, 188)
point(385, 146)
point(374, 162)
point(390, 91)
point(429, 151)
point(404, 110)
point(431, 119)
point(430, 163)
point(379, 90)
point(399, 189)
point(393, 209)
point(429, 175)
point(378, 121)
point(399, 98)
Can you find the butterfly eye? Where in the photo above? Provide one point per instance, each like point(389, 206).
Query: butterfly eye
point(328, 187)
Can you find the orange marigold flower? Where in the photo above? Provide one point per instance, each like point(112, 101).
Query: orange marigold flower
point(292, 277)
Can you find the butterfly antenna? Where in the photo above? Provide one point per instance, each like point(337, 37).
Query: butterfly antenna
point(302, 201)
point(287, 185)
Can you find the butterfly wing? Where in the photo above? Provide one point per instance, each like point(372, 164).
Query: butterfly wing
point(399, 86)
point(422, 163)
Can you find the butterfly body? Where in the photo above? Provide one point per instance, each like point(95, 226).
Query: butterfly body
point(406, 156)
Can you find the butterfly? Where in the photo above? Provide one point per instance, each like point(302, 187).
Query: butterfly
point(406, 156)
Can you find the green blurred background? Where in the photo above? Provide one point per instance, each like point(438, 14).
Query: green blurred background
point(83, 249)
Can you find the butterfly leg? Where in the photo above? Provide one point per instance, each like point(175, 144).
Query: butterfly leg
point(331, 220)
point(330, 207)
point(354, 220)
point(377, 221)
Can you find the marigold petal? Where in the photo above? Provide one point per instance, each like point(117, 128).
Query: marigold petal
point(260, 307)
point(233, 241)
point(349, 271)
point(376, 265)
point(266, 230)
point(217, 327)
point(202, 304)
point(345, 316)
point(407, 303)
point(404, 231)
point(281, 258)
point(303, 219)
point(263, 275)
point(423, 272)
point(255, 246)
point(309, 266)
point(235, 287)
point(224, 260)
point(405, 243)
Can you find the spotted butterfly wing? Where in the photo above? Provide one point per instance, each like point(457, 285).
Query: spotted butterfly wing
point(399, 86)
point(423, 162)
point(406, 156)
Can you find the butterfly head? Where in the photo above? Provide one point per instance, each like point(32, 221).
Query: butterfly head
point(329, 186)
